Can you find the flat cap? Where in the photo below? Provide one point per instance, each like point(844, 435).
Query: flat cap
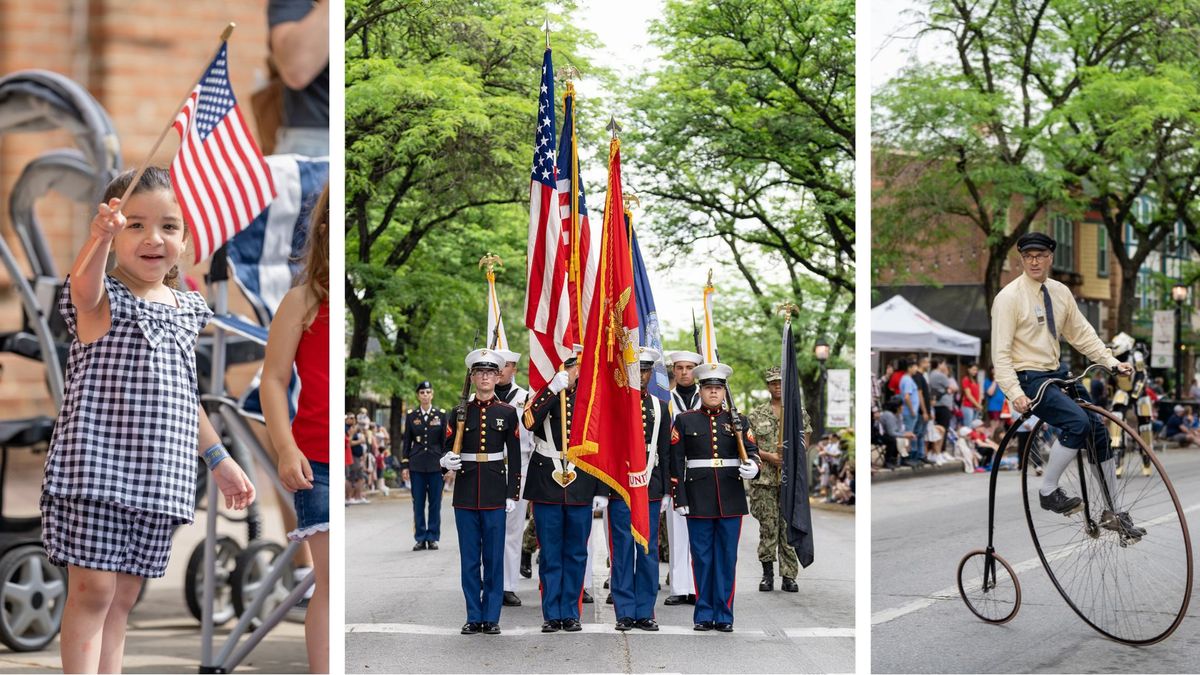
point(1036, 240)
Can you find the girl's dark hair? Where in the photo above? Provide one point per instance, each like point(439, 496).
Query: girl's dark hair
point(153, 178)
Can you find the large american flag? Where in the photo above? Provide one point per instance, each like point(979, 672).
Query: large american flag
point(220, 177)
point(547, 298)
point(589, 242)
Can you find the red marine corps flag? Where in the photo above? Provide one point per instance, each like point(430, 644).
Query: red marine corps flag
point(607, 438)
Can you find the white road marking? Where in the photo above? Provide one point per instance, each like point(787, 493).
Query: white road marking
point(951, 592)
point(593, 628)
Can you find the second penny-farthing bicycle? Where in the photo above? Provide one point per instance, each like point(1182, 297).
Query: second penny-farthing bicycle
point(1131, 585)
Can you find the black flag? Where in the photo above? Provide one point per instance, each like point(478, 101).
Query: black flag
point(793, 493)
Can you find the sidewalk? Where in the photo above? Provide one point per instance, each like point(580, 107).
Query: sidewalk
point(162, 636)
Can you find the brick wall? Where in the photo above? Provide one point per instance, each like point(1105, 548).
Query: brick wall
point(138, 58)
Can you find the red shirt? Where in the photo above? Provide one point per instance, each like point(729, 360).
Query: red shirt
point(971, 385)
point(894, 383)
point(310, 428)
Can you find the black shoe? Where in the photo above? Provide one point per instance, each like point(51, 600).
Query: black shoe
point(551, 626)
point(703, 626)
point(675, 600)
point(606, 584)
point(571, 625)
point(724, 627)
point(1121, 524)
point(768, 579)
point(1059, 502)
point(419, 546)
point(647, 624)
point(625, 623)
point(431, 545)
point(526, 564)
point(609, 600)
point(587, 598)
point(691, 599)
point(891, 466)
point(789, 585)
point(470, 628)
point(489, 628)
point(511, 599)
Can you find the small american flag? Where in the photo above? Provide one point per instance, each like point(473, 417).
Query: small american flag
point(220, 177)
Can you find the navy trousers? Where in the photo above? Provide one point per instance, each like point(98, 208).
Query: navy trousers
point(714, 543)
point(1059, 410)
point(562, 533)
point(427, 490)
point(481, 544)
point(634, 581)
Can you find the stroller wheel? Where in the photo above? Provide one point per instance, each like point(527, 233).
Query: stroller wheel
point(193, 583)
point(254, 564)
point(32, 596)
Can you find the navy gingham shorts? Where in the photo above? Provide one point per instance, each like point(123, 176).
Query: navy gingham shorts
point(108, 537)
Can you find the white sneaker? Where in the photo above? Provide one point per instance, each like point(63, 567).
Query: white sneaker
point(386, 490)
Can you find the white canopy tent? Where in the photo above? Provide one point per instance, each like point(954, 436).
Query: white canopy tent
point(897, 326)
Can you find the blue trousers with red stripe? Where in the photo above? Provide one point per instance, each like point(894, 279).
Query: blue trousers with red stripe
point(714, 543)
point(634, 581)
point(427, 489)
point(481, 544)
point(562, 533)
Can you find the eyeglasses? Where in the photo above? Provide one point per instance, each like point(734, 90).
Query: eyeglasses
point(1036, 257)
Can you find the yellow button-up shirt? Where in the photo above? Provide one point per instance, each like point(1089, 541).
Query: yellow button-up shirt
point(1021, 339)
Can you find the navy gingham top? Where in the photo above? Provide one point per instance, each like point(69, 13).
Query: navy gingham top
point(127, 431)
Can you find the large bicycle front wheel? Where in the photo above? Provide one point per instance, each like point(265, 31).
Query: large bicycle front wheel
point(1133, 589)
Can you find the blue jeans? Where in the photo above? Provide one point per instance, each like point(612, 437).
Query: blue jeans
point(1059, 410)
point(427, 489)
point(914, 423)
point(969, 415)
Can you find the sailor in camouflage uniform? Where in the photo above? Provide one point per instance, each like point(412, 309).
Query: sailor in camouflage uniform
point(764, 491)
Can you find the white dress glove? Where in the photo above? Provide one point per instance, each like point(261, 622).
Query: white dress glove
point(451, 461)
point(748, 469)
point(682, 510)
point(558, 382)
point(509, 505)
point(599, 503)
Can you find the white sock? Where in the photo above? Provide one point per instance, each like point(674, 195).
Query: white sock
point(1108, 469)
point(1060, 458)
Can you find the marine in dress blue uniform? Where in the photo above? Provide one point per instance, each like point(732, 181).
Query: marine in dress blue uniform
point(421, 449)
point(708, 489)
point(684, 397)
point(634, 579)
point(562, 514)
point(487, 486)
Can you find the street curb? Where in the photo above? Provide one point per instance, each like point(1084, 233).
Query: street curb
point(818, 503)
point(884, 475)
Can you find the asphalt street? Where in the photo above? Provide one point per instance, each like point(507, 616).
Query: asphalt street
point(922, 527)
point(404, 610)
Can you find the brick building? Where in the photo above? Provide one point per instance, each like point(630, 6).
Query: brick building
point(138, 59)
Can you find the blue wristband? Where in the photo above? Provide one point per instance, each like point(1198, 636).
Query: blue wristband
point(214, 455)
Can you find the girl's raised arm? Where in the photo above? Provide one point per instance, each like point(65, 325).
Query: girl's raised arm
point(87, 274)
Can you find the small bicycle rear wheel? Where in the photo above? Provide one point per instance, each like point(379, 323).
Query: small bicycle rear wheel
point(1131, 588)
point(989, 586)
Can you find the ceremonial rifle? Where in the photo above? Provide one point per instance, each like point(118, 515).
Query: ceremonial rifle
point(733, 413)
point(461, 416)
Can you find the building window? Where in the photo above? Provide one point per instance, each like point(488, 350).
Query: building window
point(1102, 251)
point(1064, 234)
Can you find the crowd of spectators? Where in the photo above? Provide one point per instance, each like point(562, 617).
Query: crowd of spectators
point(370, 462)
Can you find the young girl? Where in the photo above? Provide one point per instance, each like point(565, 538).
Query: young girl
point(121, 471)
point(300, 335)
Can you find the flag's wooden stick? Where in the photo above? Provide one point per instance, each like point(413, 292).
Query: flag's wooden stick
point(95, 244)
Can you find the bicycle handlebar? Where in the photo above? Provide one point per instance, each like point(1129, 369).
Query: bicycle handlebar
point(1064, 382)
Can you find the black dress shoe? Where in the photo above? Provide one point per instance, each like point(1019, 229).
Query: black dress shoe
point(431, 545)
point(1059, 502)
point(703, 626)
point(608, 600)
point(587, 598)
point(470, 628)
point(489, 628)
point(551, 626)
point(526, 564)
point(511, 599)
point(625, 623)
point(419, 546)
point(789, 585)
point(647, 624)
point(691, 599)
point(572, 625)
point(675, 600)
point(606, 583)
point(724, 627)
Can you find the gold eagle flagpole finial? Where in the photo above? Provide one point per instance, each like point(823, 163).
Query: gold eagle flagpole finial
point(787, 309)
point(491, 261)
point(567, 73)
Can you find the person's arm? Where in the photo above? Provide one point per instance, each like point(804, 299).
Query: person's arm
point(282, 342)
point(300, 48)
point(512, 445)
point(92, 316)
point(678, 467)
point(233, 483)
point(1004, 324)
point(1080, 334)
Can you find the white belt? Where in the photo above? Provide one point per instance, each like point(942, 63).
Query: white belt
point(482, 456)
point(714, 462)
point(546, 450)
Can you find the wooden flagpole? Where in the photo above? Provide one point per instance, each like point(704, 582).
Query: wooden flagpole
point(95, 244)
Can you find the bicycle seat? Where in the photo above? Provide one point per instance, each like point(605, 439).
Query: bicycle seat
point(25, 432)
